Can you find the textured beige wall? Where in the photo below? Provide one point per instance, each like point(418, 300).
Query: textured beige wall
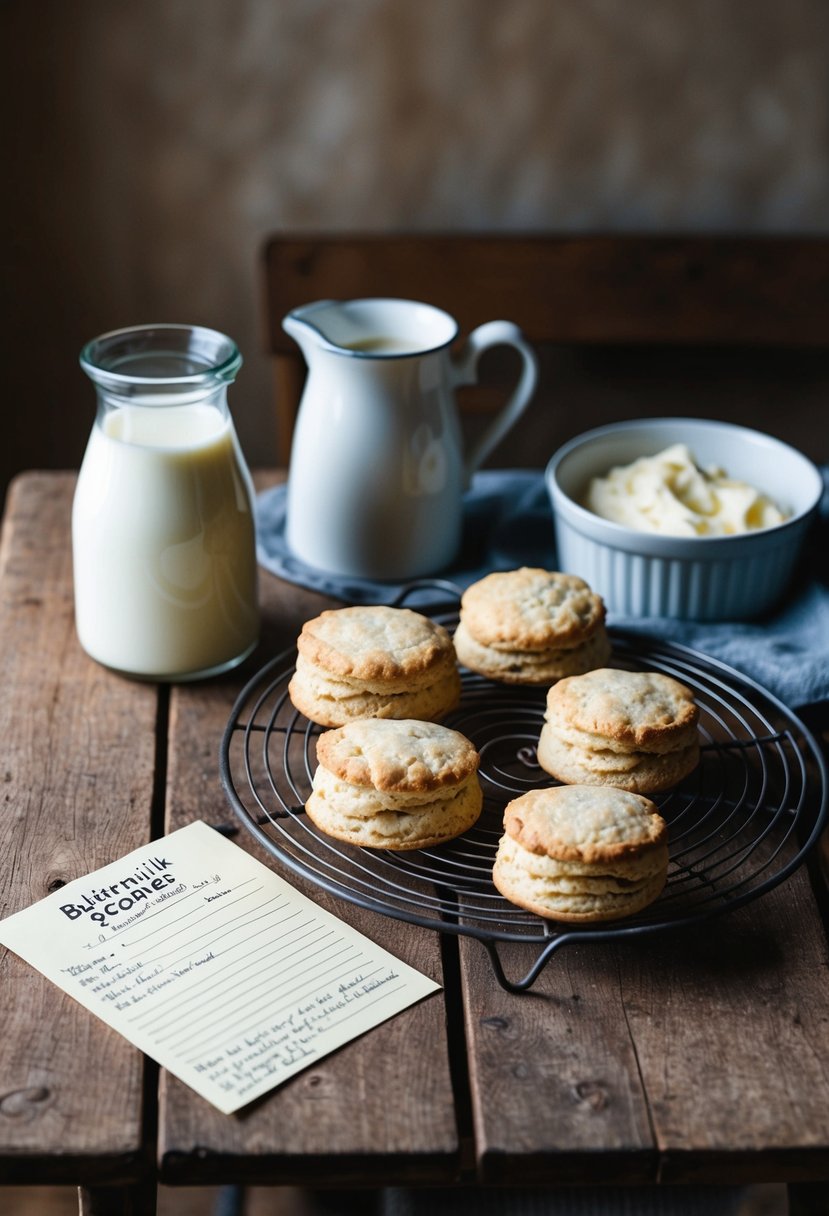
point(152, 145)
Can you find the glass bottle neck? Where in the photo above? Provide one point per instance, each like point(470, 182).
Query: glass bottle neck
point(160, 364)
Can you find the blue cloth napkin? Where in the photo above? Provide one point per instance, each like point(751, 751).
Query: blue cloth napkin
point(508, 523)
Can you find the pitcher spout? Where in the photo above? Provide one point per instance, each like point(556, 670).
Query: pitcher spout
point(306, 325)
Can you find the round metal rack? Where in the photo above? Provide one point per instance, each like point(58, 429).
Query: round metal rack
point(738, 826)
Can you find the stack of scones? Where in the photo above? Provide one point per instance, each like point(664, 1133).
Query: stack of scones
point(391, 776)
point(531, 626)
point(374, 662)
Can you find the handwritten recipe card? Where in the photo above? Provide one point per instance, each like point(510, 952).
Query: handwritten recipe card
point(212, 964)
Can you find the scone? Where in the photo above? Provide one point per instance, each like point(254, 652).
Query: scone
point(578, 853)
point(374, 662)
point(633, 729)
point(389, 784)
point(531, 626)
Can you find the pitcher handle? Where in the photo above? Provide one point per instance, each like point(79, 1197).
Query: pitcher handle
point(465, 364)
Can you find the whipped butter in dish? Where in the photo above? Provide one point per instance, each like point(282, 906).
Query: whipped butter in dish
point(670, 494)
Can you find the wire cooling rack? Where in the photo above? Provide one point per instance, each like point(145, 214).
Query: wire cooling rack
point(738, 826)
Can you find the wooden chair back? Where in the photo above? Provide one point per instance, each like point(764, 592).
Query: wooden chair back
point(567, 291)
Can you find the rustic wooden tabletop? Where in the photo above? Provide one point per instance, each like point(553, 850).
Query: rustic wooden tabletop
point(696, 1056)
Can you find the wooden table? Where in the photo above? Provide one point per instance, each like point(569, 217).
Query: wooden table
point(702, 1057)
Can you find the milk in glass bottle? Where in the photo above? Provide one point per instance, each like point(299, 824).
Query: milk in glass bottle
point(163, 542)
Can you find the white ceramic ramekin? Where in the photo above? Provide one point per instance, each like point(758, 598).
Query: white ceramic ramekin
point(694, 578)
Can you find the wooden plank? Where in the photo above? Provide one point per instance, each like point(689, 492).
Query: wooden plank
point(381, 1107)
point(556, 1092)
point(695, 1056)
point(77, 787)
point(607, 289)
point(731, 1026)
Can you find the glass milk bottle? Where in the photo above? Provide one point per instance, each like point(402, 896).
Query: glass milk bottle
point(163, 546)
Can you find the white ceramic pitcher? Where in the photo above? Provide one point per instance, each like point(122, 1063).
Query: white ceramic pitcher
point(377, 470)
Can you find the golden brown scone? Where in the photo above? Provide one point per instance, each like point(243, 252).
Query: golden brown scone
point(398, 757)
point(578, 853)
point(636, 730)
point(374, 661)
point(542, 667)
point(389, 784)
point(531, 626)
point(532, 609)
